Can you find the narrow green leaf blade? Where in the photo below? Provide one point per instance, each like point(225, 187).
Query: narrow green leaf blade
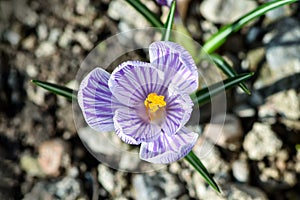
point(204, 95)
point(148, 14)
point(169, 23)
point(220, 37)
point(197, 164)
point(56, 89)
point(228, 70)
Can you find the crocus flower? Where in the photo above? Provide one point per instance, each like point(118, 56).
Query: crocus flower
point(145, 103)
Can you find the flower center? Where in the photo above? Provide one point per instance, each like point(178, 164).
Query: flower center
point(153, 102)
point(154, 106)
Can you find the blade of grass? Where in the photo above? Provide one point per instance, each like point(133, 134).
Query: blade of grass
point(56, 89)
point(148, 14)
point(228, 70)
point(204, 95)
point(220, 37)
point(197, 164)
point(169, 23)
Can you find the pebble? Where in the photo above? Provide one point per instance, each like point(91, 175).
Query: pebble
point(66, 188)
point(45, 49)
point(225, 131)
point(285, 103)
point(42, 32)
point(106, 178)
point(12, 37)
point(50, 156)
point(281, 56)
point(29, 42)
point(161, 185)
point(261, 141)
point(83, 40)
point(225, 11)
point(31, 166)
point(241, 170)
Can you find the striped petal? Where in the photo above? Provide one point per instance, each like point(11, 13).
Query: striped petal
point(96, 100)
point(175, 61)
point(178, 111)
point(132, 81)
point(167, 149)
point(132, 128)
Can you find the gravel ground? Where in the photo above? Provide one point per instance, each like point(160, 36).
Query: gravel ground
point(257, 155)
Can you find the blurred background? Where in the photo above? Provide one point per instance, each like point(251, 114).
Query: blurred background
point(41, 155)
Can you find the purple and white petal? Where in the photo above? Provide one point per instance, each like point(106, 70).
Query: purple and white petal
point(96, 100)
point(132, 128)
point(177, 62)
point(164, 2)
point(178, 111)
point(132, 81)
point(167, 149)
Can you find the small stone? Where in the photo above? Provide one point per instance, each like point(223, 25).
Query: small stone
point(29, 42)
point(50, 156)
point(280, 12)
point(66, 38)
point(225, 11)
point(106, 178)
point(67, 188)
point(241, 170)
point(31, 166)
point(225, 130)
point(42, 32)
point(261, 141)
point(83, 40)
point(255, 56)
point(244, 111)
point(12, 37)
point(285, 103)
point(156, 186)
point(54, 35)
point(45, 49)
point(281, 52)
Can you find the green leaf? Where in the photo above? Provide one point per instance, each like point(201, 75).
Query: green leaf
point(148, 14)
point(56, 89)
point(220, 37)
point(197, 164)
point(169, 23)
point(204, 95)
point(228, 70)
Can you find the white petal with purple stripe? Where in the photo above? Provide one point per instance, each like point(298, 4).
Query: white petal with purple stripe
point(132, 128)
point(167, 149)
point(175, 61)
point(132, 81)
point(178, 111)
point(96, 100)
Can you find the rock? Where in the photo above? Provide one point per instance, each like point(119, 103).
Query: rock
point(120, 10)
point(225, 131)
point(161, 185)
point(255, 57)
point(106, 178)
point(210, 156)
point(225, 11)
point(83, 40)
point(54, 35)
point(12, 37)
point(67, 188)
point(45, 49)
point(31, 166)
point(66, 37)
point(50, 156)
point(261, 141)
point(244, 111)
point(285, 103)
point(29, 42)
point(241, 170)
point(281, 56)
point(42, 32)
point(280, 12)
point(244, 192)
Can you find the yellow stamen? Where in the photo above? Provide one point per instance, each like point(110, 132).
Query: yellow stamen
point(153, 102)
